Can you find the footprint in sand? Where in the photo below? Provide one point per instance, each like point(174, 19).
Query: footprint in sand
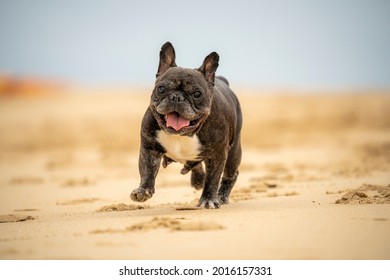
point(59, 162)
point(120, 207)
point(173, 224)
point(15, 218)
point(27, 180)
point(250, 192)
point(78, 201)
point(77, 182)
point(274, 194)
point(26, 210)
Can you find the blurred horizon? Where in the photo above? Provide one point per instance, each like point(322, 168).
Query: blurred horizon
point(268, 44)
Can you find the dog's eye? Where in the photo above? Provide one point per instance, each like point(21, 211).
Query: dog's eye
point(161, 89)
point(197, 94)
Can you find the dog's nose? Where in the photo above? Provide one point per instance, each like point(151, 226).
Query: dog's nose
point(176, 98)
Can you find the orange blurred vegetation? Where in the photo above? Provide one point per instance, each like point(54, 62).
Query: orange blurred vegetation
point(28, 86)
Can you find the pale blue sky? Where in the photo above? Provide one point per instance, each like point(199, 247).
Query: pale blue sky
point(334, 44)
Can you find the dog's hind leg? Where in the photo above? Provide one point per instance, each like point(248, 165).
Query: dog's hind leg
point(197, 176)
point(230, 173)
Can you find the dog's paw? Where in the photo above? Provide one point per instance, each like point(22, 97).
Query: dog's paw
point(224, 200)
point(197, 180)
point(141, 194)
point(208, 203)
point(197, 186)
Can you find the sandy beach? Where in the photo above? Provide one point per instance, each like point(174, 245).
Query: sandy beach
point(314, 181)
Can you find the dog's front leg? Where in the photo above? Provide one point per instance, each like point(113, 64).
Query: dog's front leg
point(214, 169)
point(148, 164)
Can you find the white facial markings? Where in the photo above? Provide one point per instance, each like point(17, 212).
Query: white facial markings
point(179, 148)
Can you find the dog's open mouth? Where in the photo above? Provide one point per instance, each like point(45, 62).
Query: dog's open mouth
point(175, 121)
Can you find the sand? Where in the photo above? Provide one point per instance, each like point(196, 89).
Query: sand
point(313, 184)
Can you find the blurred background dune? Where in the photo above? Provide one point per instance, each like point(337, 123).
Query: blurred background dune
point(109, 123)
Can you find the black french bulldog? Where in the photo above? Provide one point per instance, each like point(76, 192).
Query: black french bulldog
point(193, 117)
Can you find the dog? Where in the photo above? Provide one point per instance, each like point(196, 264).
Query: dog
point(193, 118)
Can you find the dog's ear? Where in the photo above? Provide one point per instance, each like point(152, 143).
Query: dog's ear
point(167, 58)
point(209, 66)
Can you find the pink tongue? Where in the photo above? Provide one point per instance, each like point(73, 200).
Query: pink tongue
point(176, 121)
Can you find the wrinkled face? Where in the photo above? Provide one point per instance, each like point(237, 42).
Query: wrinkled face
point(181, 100)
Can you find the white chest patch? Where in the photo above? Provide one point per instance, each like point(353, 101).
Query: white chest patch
point(179, 148)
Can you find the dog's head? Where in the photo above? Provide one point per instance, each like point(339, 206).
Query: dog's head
point(182, 97)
